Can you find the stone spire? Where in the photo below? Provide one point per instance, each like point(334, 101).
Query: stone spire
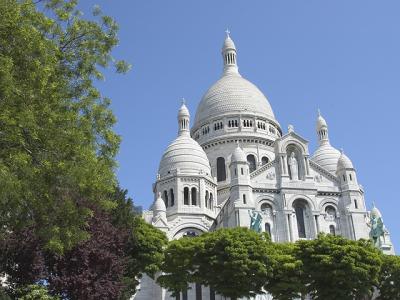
point(183, 119)
point(229, 55)
point(322, 130)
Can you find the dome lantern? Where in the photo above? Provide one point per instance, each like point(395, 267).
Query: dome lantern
point(322, 129)
point(229, 55)
point(183, 119)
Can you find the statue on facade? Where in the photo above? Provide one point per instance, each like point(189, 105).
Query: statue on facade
point(293, 167)
point(255, 221)
point(377, 228)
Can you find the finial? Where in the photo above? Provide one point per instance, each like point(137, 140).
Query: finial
point(183, 101)
point(227, 32)
point(373, 204)
point(290, 128)
point(158, 195)
point(319, 112)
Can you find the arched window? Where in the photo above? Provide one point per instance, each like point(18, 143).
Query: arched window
point(166, 198)
point(206, 199)
point(330, 212)
point(264, 160)
point(265, 207)
point(332, 230)
point(252, 162)
point(194, 196)
point(268, 229)
point(355, 203)
point(351, 178)
point(186, 196)
point(244, 199)
point(211, 204)
point(299, 209)
point(221, 172)
point(171, 194)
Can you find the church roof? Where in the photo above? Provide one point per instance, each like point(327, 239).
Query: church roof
point(232, 94)
point(327, 157)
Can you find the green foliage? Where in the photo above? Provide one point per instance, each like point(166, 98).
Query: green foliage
point(389, 278)
point(57, 145)
point(338, 268)
point(232, 261)
point(286, 282)
point(35, 292)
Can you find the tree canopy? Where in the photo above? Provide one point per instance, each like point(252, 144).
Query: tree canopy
point(57, 144)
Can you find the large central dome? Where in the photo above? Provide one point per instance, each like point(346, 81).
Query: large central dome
point(232, 94)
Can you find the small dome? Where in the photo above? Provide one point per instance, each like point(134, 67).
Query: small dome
point(228, 44)
point(238, 155)
point(232, 94)
point(183, 111)
point(344, 162)
point(327, 157)
point(159, 205)
point(321, 123)
point(184, 154)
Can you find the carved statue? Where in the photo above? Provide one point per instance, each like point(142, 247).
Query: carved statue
point(255, 221)
point(377, 228)
point(293, 167)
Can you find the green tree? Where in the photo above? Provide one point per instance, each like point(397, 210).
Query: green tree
point(338, 268)
point(57, 144)
point(234, 262)
point(389, 278)
point(35, 292)
point(287, 280)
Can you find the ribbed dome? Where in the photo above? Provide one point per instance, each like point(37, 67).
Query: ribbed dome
point(238, 155)
point(344, 162)
point(327, 157)
point(232, 94)
point(185, 154)
point(159, 205)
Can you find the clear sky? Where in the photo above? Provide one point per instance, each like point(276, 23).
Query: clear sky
point(340, 56)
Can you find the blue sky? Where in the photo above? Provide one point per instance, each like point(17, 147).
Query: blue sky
point(340, 56)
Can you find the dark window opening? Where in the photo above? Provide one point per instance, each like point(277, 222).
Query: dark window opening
point(268, 229)
point(244, 199)
point(264, 160)
point(221, 171)
point(186, 196)
point(194, 196)
point(171, 192)
point(252, 162)
point(166, 198)
point(198, 291)
point(299, 210)
point(332, 230)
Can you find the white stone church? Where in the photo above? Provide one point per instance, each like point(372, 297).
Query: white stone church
point(236, 160)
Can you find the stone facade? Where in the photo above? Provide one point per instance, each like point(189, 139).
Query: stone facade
point(236, 159)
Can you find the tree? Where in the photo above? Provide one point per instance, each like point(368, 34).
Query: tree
point(287, 280)
point(389, 278)
point(338, 268)
point(35, 292)
point(57, 144)
point(106, 266)
point(232, 261)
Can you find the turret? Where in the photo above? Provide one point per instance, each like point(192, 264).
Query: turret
point(241, 191)
point(346, 173)
point(229, 55)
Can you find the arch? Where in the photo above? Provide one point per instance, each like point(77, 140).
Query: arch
point(266, 207)
point(300, 209)
point(251, 159)
point(172, 196)
point(264, 160)
point(221, 169)
point(298, 154)
point(296, 143)
point(309, 201)
point(166, 198)
point(328, 201)
point(194, 196)
point(186, 196)
point(177, 232)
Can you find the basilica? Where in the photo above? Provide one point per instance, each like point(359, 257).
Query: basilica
point(236, 161)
